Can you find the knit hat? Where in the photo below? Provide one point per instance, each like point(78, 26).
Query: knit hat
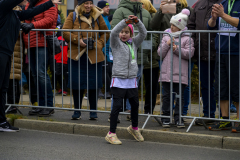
point(102, 4)
point(180, 20)
point(110, 18)
point(83, 1)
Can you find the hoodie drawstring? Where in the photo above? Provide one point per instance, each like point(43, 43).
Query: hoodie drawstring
point(134, 8)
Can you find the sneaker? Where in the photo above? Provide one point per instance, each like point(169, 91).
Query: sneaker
point(136, 134)
point(221, 126)
point(85, 97)
point(76, 115)
point(93, 116)
point(64, 93)
point(46, 112)
point(12, 110)
point(180, 125)
point(59, 91)
point(199, 121)
point(233, 109)
point(108, 95)
point(165, 123)
point(236, 127)
point(6, 127)
point(118, 120)
point(112, 138)
point(100, 94)
point(129, 118)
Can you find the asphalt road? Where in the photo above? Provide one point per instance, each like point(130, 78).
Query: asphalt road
point(39, 145)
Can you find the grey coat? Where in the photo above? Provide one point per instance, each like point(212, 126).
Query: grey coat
point(123, 66)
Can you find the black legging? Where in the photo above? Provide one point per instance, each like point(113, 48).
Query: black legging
point(117, 107)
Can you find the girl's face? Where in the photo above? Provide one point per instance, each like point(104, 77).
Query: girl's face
point(88, 6)
point(125, 34)
point(174, 28)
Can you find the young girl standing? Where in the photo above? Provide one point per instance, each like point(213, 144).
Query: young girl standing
point(178, 24)
point(124, 74)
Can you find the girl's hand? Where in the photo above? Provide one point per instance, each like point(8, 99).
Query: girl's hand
point(174, 47)
point(169, 42)
point(82, 44)
point(56, 1)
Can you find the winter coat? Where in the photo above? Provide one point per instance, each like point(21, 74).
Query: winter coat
point(164, 50)
point(86, 24)
point(198, 21)
point(45, 20)
point(126, 8)
point(124, 66)
point(10, 22)
point(62, 55)
point(161, 22)
point(16, 57)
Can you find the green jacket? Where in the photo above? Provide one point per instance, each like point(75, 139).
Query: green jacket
point(126, 8)
point(161, 22)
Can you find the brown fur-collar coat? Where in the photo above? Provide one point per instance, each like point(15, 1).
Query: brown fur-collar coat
point(86, 24)
point(16, 57)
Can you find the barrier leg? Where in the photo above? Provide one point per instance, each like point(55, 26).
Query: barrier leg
point(194, 119)
point(204, 124)
point(158, 120)
point(8, 108)
point(146, 122)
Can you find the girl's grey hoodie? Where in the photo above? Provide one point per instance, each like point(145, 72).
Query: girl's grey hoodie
point(123, 66)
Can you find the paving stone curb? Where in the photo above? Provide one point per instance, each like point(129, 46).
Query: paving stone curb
point(149, 135)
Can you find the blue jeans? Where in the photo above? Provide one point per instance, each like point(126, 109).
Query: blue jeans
point(139, 75)
point(205, 89)
point(39, 66)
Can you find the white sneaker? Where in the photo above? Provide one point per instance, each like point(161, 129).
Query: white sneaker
point(112, 138)
point(136, 134)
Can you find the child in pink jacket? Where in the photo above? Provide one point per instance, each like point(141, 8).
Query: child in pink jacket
point(178, 24)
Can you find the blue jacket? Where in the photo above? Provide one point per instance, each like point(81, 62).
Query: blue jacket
point(224, 40)
point(10, 22)
point(107, 44)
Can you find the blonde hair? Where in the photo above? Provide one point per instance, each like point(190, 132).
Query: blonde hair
point(81, 10)
point(148, 6)
point(184, 3)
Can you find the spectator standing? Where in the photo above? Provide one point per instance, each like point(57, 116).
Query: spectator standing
point(197, 21)
point(10, 27)
point(151, 72)
point(124, 74)
point(39, 54)
point(83, 68)
point(226, 17)
point(178, 24)
point(104, 5)
point(161, 22)
point(61, 72)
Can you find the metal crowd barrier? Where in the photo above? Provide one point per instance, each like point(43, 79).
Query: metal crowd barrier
point(38, 33)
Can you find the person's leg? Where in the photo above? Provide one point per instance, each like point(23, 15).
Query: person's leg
point(32, 88)
point(117, 107)
point(10, 98)
point(5, 65)
point(204, 72)
point(134, 101)
point(93, 103)
point(177, 110)
point(77, 99)
point(166, 100)
point(147, 78)
point(58, 77)
point(45, 87)
point(186, 92)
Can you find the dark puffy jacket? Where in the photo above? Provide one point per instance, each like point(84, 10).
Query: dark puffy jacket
point(198, 21)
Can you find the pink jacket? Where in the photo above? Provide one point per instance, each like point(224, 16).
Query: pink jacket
point(164, 50)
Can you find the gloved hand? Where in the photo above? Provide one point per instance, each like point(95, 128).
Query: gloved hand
point(26, 27)
point(132, 20)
